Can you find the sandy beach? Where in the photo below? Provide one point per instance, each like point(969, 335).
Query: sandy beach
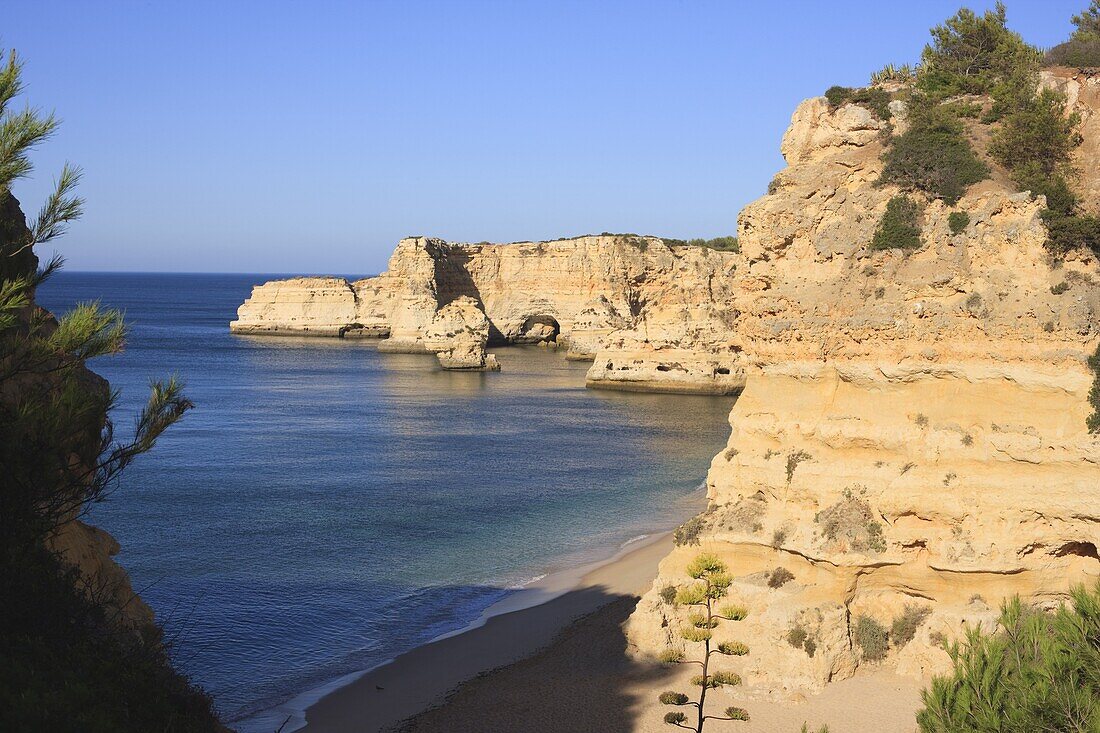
point(421, 678)
point(564, 665)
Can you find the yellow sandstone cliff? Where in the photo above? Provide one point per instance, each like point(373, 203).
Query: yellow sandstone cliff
point(912, 429)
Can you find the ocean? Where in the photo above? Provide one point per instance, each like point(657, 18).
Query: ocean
point(326, 507)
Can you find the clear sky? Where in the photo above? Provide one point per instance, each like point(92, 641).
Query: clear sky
point(310, 136)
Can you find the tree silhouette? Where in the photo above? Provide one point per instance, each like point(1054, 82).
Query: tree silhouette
point(712, 584)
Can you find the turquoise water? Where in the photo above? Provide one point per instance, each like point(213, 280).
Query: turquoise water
point(326, 507)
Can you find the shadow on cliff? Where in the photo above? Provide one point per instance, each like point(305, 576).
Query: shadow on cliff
point(582, 680)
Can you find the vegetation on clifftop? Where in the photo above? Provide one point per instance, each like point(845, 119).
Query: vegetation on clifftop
point(69, 661)
point(975, 71)
point(1082, 50)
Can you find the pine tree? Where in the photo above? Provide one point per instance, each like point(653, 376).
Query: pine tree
point(67, 660)
point(712, 584)
point(1038, 672)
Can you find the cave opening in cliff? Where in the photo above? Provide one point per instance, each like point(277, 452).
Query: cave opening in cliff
point(539, 329)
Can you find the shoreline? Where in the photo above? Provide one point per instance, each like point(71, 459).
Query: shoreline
point(509, 630)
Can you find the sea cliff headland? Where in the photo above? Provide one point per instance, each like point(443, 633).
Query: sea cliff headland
point(911, 440)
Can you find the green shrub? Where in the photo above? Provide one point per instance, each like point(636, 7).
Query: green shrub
point(1037, 131)
point(958, 221)
point(904, 627)
point(722, 244)
point(811, 648)
point(1059, 288)
point(1037, 672)
point(872, 98)
point(852, 520)
point(891, 74)
point(780, 577)
point(971, 54)
point(1077, 54)
point(793, 459)
point(688, 532)
point(1031, 177)
point(1088, 23)
point(1093, 421)
point(899, 228)
point(797, 636)
point(1066, 232)
point(872, 638)
point(668, 594)
point(933, 156)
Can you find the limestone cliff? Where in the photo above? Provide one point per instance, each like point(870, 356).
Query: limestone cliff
point(591, 293)
point(912, 428)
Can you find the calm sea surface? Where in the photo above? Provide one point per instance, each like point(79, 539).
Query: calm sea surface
point(326, 507)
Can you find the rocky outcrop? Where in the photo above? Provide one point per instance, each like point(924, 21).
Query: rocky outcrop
point(458, 335)
point(649, 304)
point(911, 434)
point(92, 551)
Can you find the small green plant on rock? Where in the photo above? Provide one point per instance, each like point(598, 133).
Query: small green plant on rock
point(793, 459)
point(899, 228)
point(779, 577)
point(1059, 288)
point(1093, 420)
point(904, 626)
point(958, 221)
point(712, 582)
point(797, 636)
point(852, 521)
point(688, 532)
point(668, 594)
point(872, 638)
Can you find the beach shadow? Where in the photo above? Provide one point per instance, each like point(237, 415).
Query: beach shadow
point(582, 680)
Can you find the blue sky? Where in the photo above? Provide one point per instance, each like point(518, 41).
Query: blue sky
point(310, 136)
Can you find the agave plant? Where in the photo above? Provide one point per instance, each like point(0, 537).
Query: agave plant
point(894, 74)
point(712, 584)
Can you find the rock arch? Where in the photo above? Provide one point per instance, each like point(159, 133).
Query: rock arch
point(538, 328)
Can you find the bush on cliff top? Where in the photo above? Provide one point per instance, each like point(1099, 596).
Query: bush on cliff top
point(1082, 50)
point(972, 54)
point(933, 156)
point(873, 98)
point(1074, 53)
point(1037, 672)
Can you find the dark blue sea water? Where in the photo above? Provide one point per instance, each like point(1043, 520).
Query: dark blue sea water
point(325, 507)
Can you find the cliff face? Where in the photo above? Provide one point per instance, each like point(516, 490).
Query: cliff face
point(911, 432)
point(912, 428)
point(589, 293)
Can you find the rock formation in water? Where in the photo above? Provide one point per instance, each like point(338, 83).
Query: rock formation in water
point(911, 442)
point(657, 314)
point(458, 334)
